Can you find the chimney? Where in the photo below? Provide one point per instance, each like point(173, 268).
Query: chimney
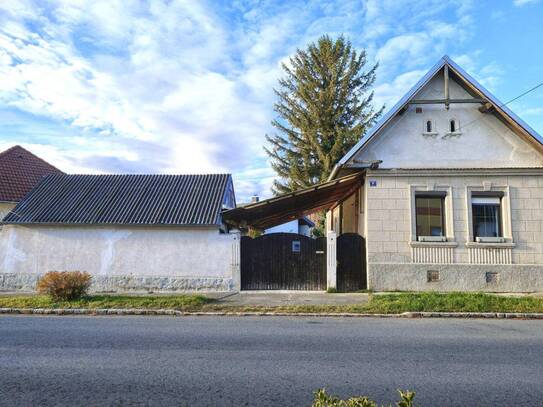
point(255, 199)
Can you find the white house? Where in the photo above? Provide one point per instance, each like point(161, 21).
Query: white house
point(301, 226)
point(446, 191)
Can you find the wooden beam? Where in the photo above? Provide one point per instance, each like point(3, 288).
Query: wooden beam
point(446, 80)
point(441, 101)
point(486, 108)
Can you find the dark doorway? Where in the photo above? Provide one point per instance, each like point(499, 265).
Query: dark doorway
point(351, 262)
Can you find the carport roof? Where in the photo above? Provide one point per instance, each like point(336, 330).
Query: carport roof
point(284, 208)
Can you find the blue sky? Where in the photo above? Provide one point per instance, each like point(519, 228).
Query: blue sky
point(186, 86)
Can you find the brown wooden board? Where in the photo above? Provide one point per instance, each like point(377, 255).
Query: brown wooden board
point(351, 262)
point(268, 262)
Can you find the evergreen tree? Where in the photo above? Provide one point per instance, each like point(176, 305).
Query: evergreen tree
point(324, 108)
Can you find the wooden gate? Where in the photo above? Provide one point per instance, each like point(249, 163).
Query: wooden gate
point(283, 261)
point(351, 262)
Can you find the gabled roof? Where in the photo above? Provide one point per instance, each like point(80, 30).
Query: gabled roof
point(126, 200)
point(20, 171)
point(498, 107)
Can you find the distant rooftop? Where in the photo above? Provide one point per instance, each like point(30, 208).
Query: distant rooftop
point(20, 171)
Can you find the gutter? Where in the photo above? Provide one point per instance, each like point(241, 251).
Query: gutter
point(362, 165)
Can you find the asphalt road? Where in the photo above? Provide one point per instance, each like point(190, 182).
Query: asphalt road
point(224, 361)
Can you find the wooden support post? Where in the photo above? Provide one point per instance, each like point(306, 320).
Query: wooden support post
point(446, 77)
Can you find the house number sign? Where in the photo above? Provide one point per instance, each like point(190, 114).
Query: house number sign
point(373, 183)
point(296, 246)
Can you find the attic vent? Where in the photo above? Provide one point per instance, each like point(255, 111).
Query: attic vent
point(428, 126)
point(418, 110)
point(452, 126)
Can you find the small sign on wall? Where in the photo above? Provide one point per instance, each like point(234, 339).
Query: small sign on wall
point(373, 183)
point(296, 246)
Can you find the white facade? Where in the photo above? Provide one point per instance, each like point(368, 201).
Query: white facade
point(122, 258)
point(485, 155)
point(5, 207)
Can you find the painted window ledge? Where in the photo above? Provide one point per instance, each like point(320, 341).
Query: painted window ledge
point(479, 245)
point(432, 244)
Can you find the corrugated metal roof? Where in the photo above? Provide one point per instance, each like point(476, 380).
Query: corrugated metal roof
point(125, 199)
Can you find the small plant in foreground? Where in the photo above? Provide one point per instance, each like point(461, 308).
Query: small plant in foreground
point(64, 285)
point(323, 399)
point(331, 290)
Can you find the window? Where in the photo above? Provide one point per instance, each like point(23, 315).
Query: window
point(486, 212)
point(452, 126)
point(430, 215)
point(428, 127)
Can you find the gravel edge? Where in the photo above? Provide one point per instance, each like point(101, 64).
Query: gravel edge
point(169, 312)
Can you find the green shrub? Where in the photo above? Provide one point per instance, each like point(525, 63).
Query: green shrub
point(331, 290)
point(323, 399)
point(64, 285)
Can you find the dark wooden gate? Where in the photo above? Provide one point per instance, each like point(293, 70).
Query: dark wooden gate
point(351, 262)
point(283, 261)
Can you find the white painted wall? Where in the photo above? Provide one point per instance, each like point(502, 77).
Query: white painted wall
point(484, 142)
point(5, 207)
point(192, 253)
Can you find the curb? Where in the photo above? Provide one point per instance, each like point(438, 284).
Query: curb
point(176, 313)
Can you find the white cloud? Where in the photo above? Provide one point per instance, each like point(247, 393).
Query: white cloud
point(186, 86)
point(520, 3)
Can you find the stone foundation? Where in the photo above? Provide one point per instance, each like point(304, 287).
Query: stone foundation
point(455, 277)
point(122, 284)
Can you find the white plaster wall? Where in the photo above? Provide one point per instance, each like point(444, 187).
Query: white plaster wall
point(113, 251)
point(389, 217)
point(484, 142)
point(5, 207)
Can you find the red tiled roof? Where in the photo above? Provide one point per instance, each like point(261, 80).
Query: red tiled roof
point(20, 171)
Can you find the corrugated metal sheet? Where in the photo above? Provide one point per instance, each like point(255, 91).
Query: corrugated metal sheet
point(124, 199)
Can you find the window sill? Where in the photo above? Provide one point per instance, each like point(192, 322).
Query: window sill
point(432, 134)
point(433, 244)
point(506, 245)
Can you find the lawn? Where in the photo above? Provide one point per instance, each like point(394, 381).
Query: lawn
point(378, 304)
point(178, 302)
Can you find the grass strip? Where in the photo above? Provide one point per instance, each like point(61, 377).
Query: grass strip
point(378, 304)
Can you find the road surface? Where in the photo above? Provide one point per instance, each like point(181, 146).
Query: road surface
point(268, 361)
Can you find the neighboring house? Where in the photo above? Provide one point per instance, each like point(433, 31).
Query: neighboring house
point(131, 232)
point(20, 171)
point(301, 226)
point(446, 191)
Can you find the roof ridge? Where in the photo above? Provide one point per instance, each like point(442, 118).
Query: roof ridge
point(19, 147)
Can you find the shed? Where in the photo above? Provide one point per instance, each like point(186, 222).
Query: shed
point(131, 232)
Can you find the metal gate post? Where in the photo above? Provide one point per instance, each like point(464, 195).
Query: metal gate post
point(331, 260)
point(236, 259)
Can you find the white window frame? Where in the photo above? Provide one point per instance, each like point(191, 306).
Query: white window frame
point(456, 131)
point(448, 208)
point(505, 211)
point(424, 130)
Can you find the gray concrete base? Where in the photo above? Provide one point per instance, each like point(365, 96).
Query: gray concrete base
point(12, 282)
point(511, 278)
